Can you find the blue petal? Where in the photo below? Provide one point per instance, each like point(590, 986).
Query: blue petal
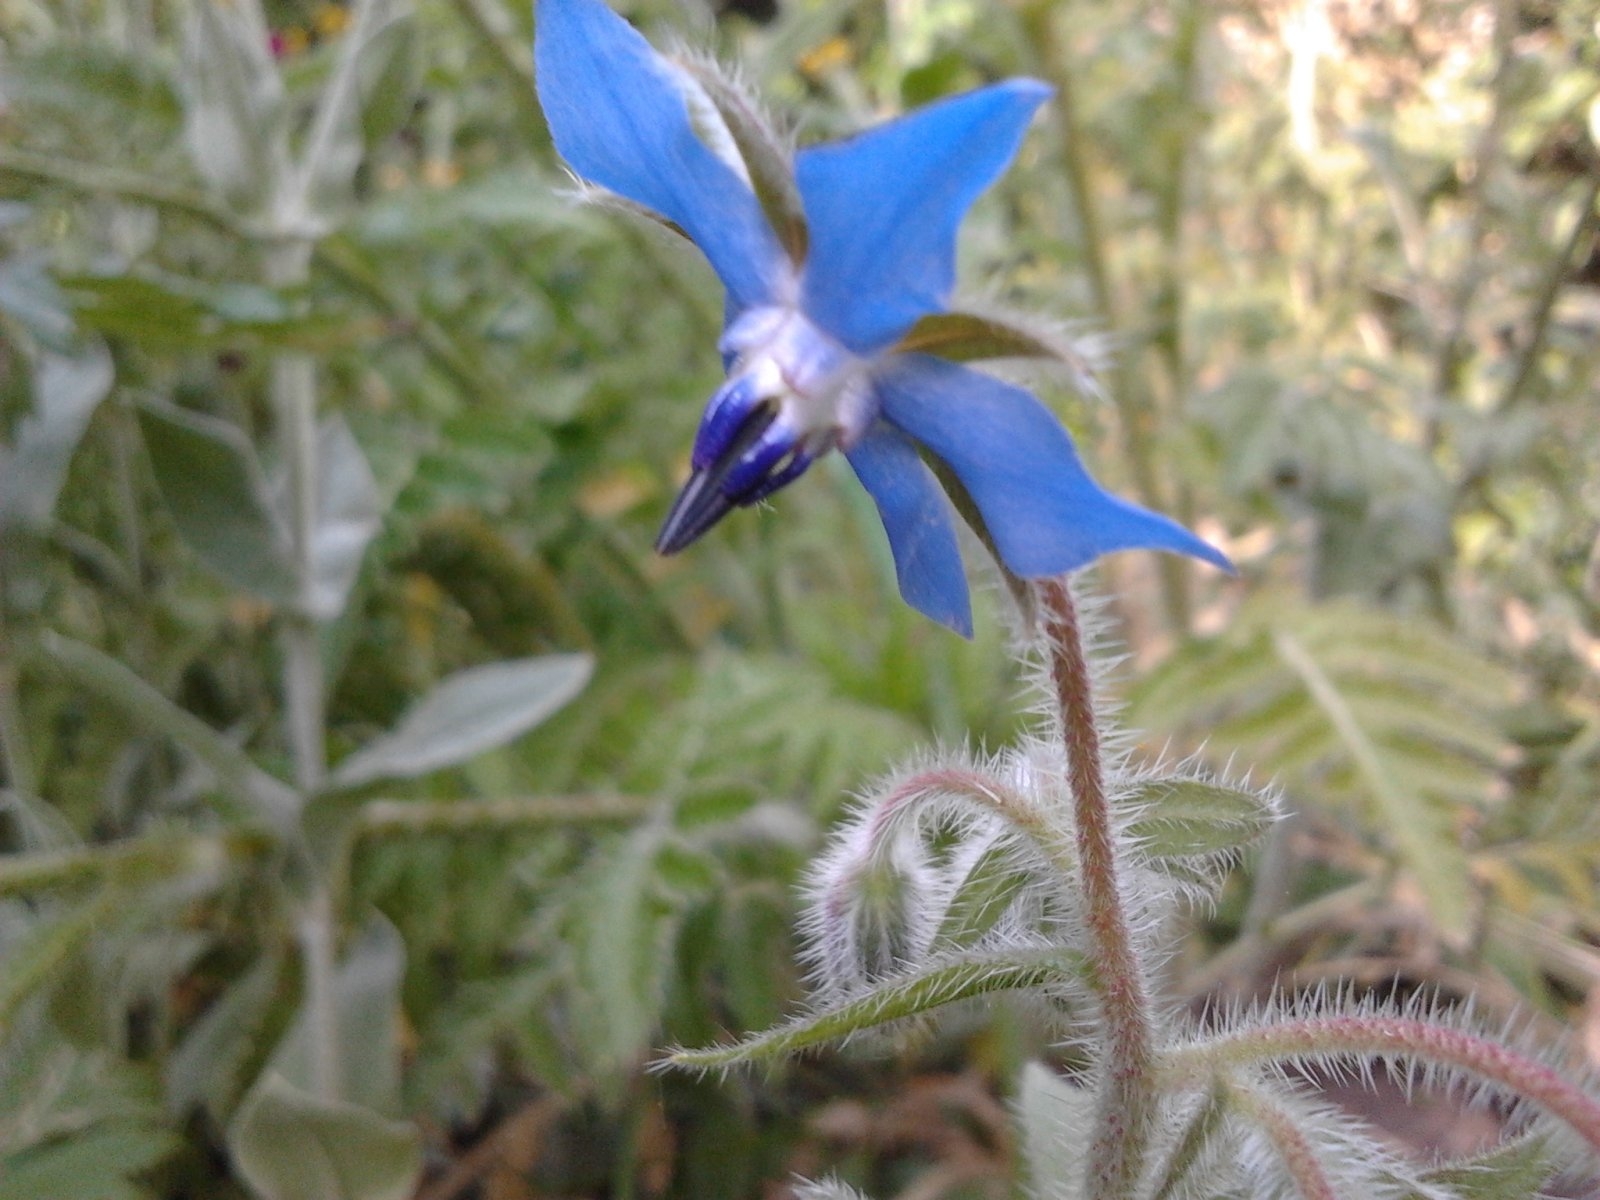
point(883, 208)
point(1045, 513)
point(916, 516)
point(617, 114)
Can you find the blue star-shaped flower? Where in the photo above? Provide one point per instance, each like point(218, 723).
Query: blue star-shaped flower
point(815, 315)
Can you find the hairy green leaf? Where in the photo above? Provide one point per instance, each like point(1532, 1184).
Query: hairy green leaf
point(349, 513)
point(66, 391)
point(108, 679)
point(971, 337)
point(337, 142)
point(1514, 1170)
point(894, 999)
point(470, 712)
point(79, 1123)
point(764, 155)
point(219, 499)
point(235, 118)
point(205, 1069)
point(290, 1145)
point(1420, 831)
point(1057, 1119)
point(35, 954)
point(366, 1014)
point(622, 922)
point(1195, 818)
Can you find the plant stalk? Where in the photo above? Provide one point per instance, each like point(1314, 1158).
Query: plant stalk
point(16, 763)
point(1137, 415)
point(293, 385)
point(1378, 1035)
point(1117, 1154)
point(1549, 292)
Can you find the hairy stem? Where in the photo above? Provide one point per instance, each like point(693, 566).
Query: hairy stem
point(1293, 1146)
point(1117, 1154)
point(1411, 1038)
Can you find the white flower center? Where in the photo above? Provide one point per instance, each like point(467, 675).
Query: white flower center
point(819, 388)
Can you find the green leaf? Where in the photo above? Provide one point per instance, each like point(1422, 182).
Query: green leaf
point(622, 922)
point(1189, 1158)
point(73, 79)
point(1511, 1171)
point(390, 79)
point(34, 956)
point(908, 995)
point(1057, 1119)
point(1195, 818)
point(235, 119)
point(31, 298)
point(66, 391)
point(349, 514)
point(290, 1145)
point(99, 1163)
point(1387, 717)
point(164, 309)
point(366, 994)
point(206, 1068)
point(219, 499)
point(162, 854)
point(337, 143)
point(470, 712)
point(78, 1124)
point(984, 897)
point(1420, 831)
point(106, 678)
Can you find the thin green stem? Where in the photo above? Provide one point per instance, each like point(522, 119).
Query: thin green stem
point(1549, 291)
point(1451, 341)
point(390, 818)
point(16, 763)
point(265, 796)
point(1040, 24)
point(293, 386)
point(1171, 200)
point(159, 855)
point(1137, 415)
point(91, 179)
point(316, 930)
point(332, 114)
point(1127, 1107)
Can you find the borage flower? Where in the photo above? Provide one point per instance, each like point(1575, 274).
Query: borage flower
point(838, 266)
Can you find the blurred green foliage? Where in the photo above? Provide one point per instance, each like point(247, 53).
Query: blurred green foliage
point(1347, 257)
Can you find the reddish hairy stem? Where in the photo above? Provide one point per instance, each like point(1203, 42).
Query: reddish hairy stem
point(1117, 1155)
point(1293, 1147)
point(1379, 1035)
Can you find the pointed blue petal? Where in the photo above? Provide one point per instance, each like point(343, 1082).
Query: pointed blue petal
point(916, 516)
point(883, 208)
point(1045, 513)
point(618, 116)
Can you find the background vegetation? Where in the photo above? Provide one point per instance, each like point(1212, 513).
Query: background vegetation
point(286, 867)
